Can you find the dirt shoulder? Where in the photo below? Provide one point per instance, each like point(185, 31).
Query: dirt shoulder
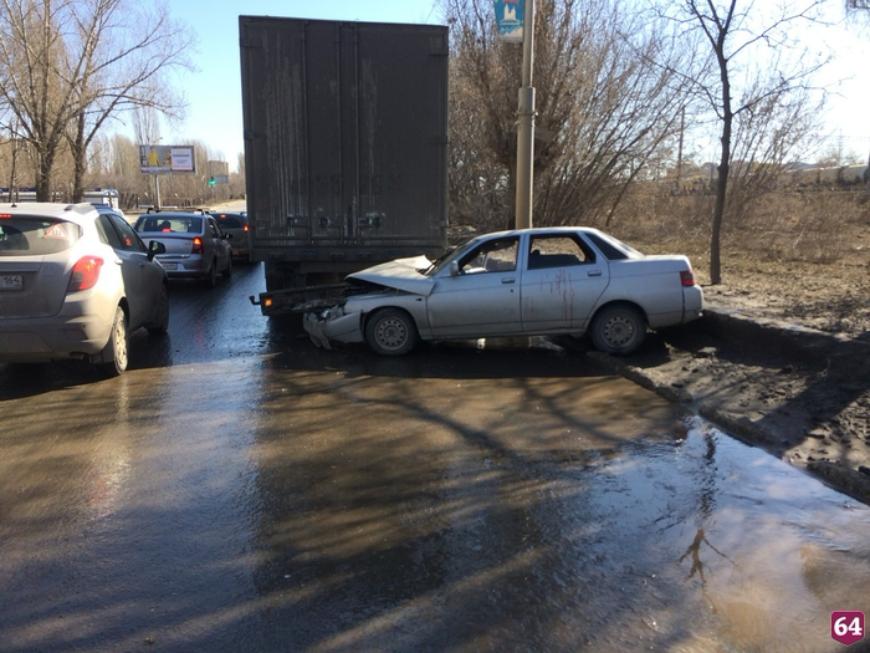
point(800, 394)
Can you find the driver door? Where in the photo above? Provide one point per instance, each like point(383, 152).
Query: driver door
point(484, 298)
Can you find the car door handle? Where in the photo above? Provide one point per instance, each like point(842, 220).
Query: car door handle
point(593, 273)
point(508, 280)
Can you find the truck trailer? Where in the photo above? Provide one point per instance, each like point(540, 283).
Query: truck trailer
point(345, 145)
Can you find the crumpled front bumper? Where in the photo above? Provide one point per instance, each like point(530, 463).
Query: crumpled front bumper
point(333, 324)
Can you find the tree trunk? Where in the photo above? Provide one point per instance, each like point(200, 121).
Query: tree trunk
point(724, 169)
point(78, 149)
point(44, 168)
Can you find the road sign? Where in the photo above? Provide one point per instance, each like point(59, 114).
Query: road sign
point(158, 159)
point(509, 17)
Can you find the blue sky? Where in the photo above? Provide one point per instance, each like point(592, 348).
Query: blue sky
point(213, 89)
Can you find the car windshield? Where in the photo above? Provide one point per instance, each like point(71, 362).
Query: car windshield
point(177, 224)
point(32, 236)
point(229, 221)
point(451, 254)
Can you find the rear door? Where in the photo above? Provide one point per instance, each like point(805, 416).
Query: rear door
point(561, 283)
point(219, 245)
point(34, 264)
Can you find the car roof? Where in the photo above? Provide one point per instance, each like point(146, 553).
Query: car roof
point(79, 213)
point(535, 230)
point(174, 214)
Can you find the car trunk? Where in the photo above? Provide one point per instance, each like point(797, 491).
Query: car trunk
point(177, 245)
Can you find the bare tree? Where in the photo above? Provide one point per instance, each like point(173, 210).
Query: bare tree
point(123, 70)
point(602, 110)
point(733, 35)
point(66, 66)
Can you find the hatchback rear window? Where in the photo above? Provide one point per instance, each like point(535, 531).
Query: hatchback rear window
point(32, 236)
point(229, 221)
point(169, 224)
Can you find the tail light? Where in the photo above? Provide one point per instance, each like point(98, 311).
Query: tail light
point(246, 228)
point(85, 273)
point(197, 246)
point(687, 278)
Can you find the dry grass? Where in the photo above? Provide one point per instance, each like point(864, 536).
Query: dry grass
point(802, 256)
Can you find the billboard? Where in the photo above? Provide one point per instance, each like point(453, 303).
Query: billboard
point(158, 159)
point(509, 17)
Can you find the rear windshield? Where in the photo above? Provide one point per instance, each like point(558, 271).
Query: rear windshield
point(31, 236)
point(229, 221)
point(176, 224)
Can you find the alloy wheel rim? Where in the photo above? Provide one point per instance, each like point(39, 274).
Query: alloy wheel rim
point(121, 344)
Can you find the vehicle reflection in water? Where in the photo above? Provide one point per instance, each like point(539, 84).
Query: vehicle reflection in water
point(239, 490)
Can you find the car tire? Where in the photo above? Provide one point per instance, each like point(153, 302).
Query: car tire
point(229, 270)
point(391, 332)
point(114, 355)
point(618, 329)
point(161, 323)
point(210, 279)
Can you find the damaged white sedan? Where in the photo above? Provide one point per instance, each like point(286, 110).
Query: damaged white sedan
point(570, 280)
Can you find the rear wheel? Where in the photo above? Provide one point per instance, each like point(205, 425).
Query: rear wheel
point(114, 354)
point(229, 271)
point(391, 332)
point(618, 329)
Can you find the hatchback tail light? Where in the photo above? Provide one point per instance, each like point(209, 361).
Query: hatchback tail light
point(85, 273)
point(687, 278)
point(197, 246)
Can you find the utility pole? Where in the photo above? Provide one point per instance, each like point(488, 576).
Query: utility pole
point(526, 124)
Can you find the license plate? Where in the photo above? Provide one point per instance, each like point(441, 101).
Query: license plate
point(170, 266)
point(11, 282)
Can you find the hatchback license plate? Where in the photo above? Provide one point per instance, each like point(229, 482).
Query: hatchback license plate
point(11, 282)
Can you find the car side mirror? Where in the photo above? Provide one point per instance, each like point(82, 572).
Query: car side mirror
point(226, 236)
point(154, 248)
point(454, 268)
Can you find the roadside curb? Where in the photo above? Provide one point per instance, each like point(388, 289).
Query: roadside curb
point(787, 338)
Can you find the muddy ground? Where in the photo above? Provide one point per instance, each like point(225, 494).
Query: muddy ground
point(808, 405)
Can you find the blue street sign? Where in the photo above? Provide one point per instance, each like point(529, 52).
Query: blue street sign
point(509, 17)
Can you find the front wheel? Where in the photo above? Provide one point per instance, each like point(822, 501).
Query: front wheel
point(618, 330)
point(114, 354)
point(228, 272)
point(391, 332)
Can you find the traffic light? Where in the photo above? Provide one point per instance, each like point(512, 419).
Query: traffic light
point(212, 181)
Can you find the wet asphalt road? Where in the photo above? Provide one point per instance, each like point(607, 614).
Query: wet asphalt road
point(238, 490)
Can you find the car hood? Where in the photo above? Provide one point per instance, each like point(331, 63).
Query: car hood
point(405, 274)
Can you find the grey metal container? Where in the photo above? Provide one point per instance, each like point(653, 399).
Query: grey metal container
point(345, 143)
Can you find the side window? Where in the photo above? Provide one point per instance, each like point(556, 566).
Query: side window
point(558, 252)
point(130, 241)
point(606, 248)
point(107, 233)
point(498, 255)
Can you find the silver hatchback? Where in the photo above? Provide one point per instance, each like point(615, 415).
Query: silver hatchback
point(74, 283)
